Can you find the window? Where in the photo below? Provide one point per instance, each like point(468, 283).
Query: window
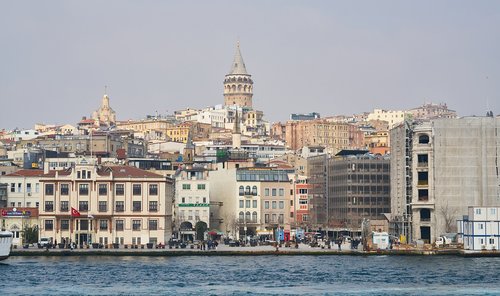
point(247, 190)
point(119, 206)
point(247, 203)
point(153, 206)
point(266, 204)
point(49, 206)
point(423, 139)
point(274, 191)
point(254, 217)
point(254, 204)
point(241, 191)
point(13, 188)
point(153, 224)
point(242, 204)
point(119, 225)
point(492, 241)
point(103, 206)
point(282, 192)
point(136, 206)
point(84, 189)
point(64, 224)
point(37, 187)
point(120, 189)
point(83, 206)
point(153, 189)
point(186, 186)
point(481, 226)
point(64, 189)
point(19, 186)
point(136, 224)
point(201, 186)
point(49, 224)
point(103, 224)
point(266, 192)
point(274, 204)
point(282, 204)
point(266, 218)
point(254, 190)
point(247, 216)
point(103, 189)
point(493, 211)
point(49, 189)
point(64, 206)
point(136, 189)
point(28, 187)
point(478, 211)
point(273, 218)
point(241, 216)
point(281, 218)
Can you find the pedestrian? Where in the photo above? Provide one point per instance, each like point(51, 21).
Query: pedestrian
point(339, 243)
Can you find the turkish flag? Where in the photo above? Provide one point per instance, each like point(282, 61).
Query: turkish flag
point(74, 212)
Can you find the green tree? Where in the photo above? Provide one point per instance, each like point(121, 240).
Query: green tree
point(200, 229)
point(30, 234)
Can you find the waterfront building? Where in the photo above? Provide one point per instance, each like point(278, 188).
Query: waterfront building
point(443, 167)
point(302, 202)
point(358, 189)
point(92, 203)
point(192, 202)
point(480, 229)
point(20, 221)
point(23, 188)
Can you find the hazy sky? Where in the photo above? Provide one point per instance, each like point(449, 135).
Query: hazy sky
point(325, 56)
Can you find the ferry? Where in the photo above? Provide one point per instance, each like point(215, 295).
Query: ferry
point(5, 244)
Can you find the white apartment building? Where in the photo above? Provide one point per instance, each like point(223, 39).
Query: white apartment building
point(112, 204)
point(192, 201)
point(24, 189)
point(480, 229)
point(393, 117)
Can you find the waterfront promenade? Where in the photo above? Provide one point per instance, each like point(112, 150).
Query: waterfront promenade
point(225, 250)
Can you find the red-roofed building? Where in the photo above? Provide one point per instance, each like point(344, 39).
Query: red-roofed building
point(113, 204)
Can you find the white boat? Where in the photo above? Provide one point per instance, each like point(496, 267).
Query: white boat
point(5, 244)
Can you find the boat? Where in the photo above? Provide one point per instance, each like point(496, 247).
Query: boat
point(5, 244)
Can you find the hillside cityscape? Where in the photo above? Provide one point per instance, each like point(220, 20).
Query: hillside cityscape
point(419, 176)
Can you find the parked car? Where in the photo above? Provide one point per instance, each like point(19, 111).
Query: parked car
point(44, 242)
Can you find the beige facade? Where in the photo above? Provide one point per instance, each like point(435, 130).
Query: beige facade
point(105, 113)
point(334, 136)
point(115, 204)
point(149, 128)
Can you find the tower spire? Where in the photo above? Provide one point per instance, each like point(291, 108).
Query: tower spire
point(238, 66)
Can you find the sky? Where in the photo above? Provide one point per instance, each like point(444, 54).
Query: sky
point(331, 57)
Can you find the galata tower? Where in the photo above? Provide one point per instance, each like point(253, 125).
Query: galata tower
point(238, 84)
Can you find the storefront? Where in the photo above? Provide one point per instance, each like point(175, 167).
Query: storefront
point(17, 220)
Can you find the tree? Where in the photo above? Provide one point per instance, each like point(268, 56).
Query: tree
point(200, 229)
point(30, 234)
point(449, 216)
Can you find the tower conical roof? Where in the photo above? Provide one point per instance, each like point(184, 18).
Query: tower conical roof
point(238, 66)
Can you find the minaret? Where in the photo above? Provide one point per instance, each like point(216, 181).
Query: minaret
point(238, 84)
point(236, 131)
point(188, 154)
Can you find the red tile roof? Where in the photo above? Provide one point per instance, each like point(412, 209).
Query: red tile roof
point(123, 171)
point(26, 173)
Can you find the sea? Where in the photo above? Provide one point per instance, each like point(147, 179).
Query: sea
point(250, 275)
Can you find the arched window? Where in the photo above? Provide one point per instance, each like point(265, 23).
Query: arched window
point(247, 216)
point(247, 190)
point(423, 139)
point(254, 190)
point(254, 217)
point(242, 216)
point(242, 191)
